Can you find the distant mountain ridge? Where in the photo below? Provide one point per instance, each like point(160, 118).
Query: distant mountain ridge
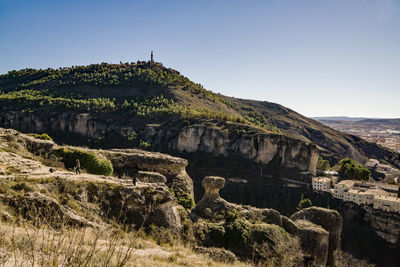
point(339, 118)
point(135, 95)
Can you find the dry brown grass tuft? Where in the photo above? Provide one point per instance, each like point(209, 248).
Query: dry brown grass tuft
point(26, 245)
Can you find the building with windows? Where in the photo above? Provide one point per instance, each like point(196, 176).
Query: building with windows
point(321, 184)
point(382, 198)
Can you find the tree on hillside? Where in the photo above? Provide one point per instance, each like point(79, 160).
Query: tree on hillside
point(351, 170)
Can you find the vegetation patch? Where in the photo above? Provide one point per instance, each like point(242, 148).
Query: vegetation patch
point(184, 199)
point(349, 169)
point(137, 88)
point(43, 136)
point(88, 160)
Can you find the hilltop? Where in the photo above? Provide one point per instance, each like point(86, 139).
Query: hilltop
point(143, 93)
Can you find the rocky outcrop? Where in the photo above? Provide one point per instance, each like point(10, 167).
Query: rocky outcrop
point(256, 145)
point(125, 161)
point(220, 140)
point(385, 224)
point(331, 221)
point(314, 241)
point(89, 201)
point(40, 208)
point(212, 206)
point(318, 228)
point(166, 215)
point(130, 161)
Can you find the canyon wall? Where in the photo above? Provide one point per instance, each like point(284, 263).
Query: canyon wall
point(218, 139)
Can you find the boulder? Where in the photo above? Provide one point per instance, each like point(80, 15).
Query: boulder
point(166, 215)
point(40, 208)
point(332, 222)
point(131, 161)
point(217, 254)
point(314, 242)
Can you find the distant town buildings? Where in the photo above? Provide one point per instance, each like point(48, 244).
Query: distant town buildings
point(383, 197)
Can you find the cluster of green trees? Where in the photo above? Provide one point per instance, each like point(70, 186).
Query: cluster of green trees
point(261, 121)
point(349, 169)
point(32, 89)
point(137, 74)
point(140, 106)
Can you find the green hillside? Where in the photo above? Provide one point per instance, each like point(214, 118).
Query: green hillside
point(146, 92)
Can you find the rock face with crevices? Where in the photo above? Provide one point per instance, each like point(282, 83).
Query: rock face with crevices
point(257, 145)
point(331, 221)
point(130, 161)
point(314, 241)
point(317, 228)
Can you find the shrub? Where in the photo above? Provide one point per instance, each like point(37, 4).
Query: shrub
point(144, 145)
point(237, 233)
point(88, 159)
point(231, 216)
point(43, 136)
point(304, 203)
point(186, 201)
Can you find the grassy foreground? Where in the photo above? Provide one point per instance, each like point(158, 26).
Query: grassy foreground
point(25, 245)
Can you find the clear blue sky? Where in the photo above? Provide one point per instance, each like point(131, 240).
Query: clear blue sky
point(338, 57)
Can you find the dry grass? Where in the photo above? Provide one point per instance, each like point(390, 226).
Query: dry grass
point(26, 245)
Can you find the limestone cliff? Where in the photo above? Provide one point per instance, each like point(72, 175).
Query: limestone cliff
point(218, 139)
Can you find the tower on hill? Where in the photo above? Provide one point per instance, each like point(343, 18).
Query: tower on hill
point(151, 57)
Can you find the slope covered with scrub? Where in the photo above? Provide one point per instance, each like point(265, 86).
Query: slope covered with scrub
point(145, 92)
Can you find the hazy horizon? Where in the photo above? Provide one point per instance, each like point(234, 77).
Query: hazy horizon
point(319, 58)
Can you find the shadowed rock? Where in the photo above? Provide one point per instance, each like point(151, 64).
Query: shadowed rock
point(318, 228)
point(331, 221)
point(314, 241)
point(166, 215)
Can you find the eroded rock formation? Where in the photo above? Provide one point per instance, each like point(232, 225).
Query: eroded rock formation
point(331, 221)
point(318, 228)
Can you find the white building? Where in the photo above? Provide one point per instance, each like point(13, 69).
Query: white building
point(387, 203)
point(321, 184)
point(359, 196)
point(366, 194)
point(342, 188)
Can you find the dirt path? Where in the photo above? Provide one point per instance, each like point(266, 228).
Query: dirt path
point(14, 166)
